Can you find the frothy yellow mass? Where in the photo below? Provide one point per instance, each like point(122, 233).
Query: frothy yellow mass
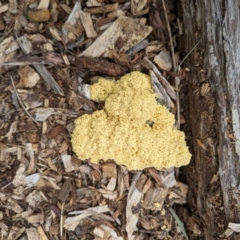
point(132, 128)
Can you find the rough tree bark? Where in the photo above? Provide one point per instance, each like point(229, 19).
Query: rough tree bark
point(215, 121)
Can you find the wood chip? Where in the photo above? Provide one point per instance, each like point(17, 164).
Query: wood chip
point(104, 9)
point(99, 65)
point(41, 15)
point(88, 25)
point(109, 170)
point(28, 77)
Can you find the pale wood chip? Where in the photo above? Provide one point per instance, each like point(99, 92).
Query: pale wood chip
point(4, 8)
point(36, 218)
point(72, 20)
point(88, 25)
point(137, 6)
point(66, 158)
point(35, 197)
point(42, 234)
point(15, 233)
point(32, 180)
point(43, 4)
point(164, 60)
point(32, 233)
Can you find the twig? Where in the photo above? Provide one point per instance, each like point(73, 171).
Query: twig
point(25, 110)
point(61, 219)
point(177, 79)
point(189, 53)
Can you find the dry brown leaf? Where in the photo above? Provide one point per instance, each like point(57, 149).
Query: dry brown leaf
point(88, 25)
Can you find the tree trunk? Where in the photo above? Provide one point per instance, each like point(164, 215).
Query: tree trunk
point(214, 175)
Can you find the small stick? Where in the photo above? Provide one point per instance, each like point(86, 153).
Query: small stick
point(177, 79)
point(61, 219)
point(189, 53)
point(25, 110)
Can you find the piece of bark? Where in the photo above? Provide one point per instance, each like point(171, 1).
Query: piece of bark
point(99, 65)
point(121, 59)
point(103, 21)
point(213, 118)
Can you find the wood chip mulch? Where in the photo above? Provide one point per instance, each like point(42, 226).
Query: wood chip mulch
point(48, 51)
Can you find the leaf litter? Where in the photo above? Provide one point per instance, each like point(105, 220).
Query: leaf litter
point(49, 51)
